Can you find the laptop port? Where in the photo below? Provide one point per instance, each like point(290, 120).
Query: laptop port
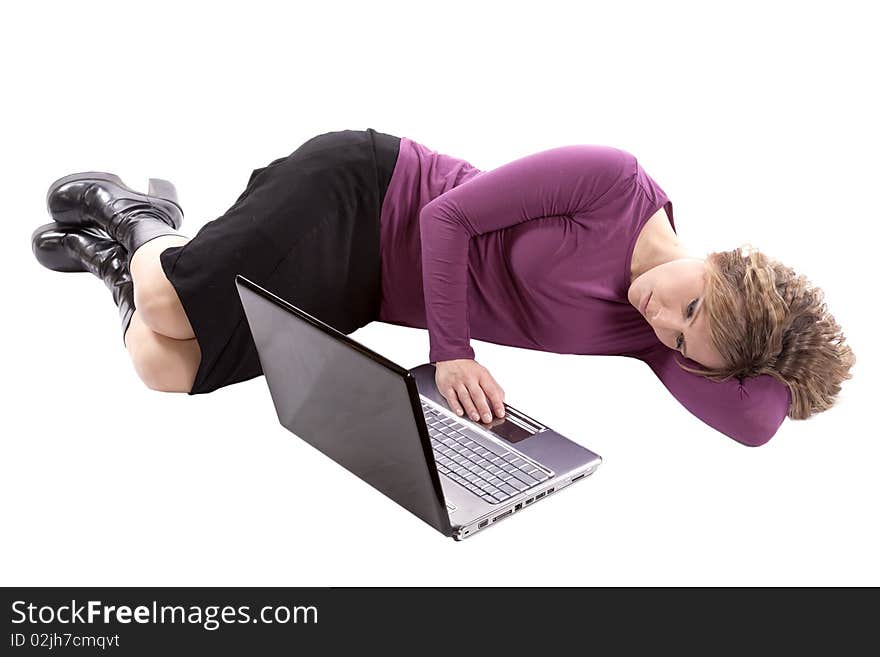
point(550, 490)
point(482, 524)
point(517, 507)
point(539, 496)
point(530, 500)
point(503, 515)
point(580, 476)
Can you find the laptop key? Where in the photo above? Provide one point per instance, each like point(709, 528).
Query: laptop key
point(523, 477)
point(540, 475)
point(496, 449)
point(510, 490)
point(508, 473)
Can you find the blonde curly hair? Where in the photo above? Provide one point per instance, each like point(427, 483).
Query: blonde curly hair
point(765, 319)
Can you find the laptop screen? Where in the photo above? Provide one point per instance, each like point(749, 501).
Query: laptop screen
point(349, 402)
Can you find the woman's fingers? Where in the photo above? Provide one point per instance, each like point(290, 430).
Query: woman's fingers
point(469, 388)
point(452, 399)
point(479, 400)
point(465, 398)
point(494, 393)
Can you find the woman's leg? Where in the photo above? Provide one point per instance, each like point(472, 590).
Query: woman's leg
point(155, 298)
point(311, 214)
point(164, 364)
point(159, 339)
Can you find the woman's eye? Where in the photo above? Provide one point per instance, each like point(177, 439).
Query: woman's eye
point(690, 310)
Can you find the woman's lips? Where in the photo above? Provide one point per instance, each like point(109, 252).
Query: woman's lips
point(644, 307)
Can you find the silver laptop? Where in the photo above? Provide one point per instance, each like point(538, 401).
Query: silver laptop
point(392, 428)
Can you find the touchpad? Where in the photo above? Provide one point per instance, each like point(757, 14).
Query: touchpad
point(514, 426)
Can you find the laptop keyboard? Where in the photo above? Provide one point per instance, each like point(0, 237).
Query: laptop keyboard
point(492, 473)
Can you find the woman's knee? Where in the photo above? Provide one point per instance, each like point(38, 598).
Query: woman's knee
point(158, 303)
point(154, 295)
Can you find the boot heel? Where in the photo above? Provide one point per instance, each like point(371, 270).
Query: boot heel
point(163, 189)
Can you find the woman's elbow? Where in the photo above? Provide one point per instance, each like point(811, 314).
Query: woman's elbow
point(763, 407)
point(757, 433)
point(755, 439)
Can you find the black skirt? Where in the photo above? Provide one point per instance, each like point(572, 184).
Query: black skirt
point(306, 228)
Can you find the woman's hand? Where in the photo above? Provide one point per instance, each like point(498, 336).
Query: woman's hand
point(465, 383)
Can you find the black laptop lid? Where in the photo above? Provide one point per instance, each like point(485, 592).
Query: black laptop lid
point(356, 406)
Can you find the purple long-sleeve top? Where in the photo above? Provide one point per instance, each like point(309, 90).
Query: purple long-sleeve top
point(537, 254)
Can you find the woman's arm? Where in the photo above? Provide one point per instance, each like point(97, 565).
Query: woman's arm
point(564, 181)
point(749, 411)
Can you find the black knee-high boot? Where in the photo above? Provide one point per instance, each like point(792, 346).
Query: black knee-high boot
point(77, 248)
point(102, 200)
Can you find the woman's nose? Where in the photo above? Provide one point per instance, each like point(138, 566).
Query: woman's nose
point(665, 320)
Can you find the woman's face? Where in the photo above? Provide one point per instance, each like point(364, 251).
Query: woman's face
point(674, 295)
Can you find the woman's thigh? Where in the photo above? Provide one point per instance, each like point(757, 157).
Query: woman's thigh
point(307, 229)
point(162, 363)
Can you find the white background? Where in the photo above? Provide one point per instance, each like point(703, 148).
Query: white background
point(760, 122)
